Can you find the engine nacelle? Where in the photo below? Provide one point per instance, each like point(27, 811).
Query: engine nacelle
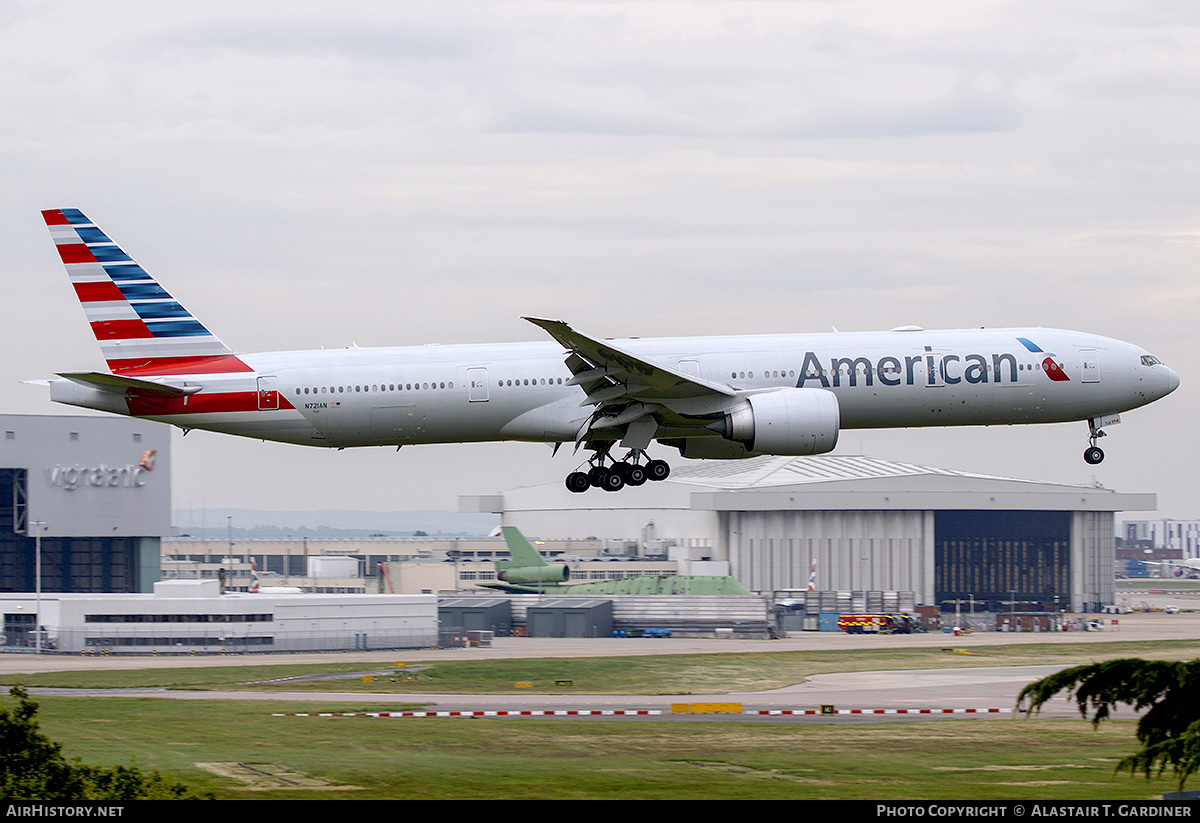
point(784, 421)
point(535, 575)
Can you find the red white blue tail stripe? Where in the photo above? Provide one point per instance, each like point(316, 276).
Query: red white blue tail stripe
point(140, 327)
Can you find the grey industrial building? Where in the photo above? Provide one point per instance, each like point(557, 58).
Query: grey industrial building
point(93, 494)
point(866, 524)
point(95, 490)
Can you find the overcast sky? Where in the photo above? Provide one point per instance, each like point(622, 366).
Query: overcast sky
point(374, 173)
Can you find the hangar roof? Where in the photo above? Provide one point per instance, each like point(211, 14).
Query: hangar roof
point(855, 482)
point(777, 471)
point(819, 483)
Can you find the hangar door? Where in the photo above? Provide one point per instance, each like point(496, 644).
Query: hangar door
point(993, 555)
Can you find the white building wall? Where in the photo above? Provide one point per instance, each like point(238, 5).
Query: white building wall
point(1181, 535)
point(853, 550)
point(1093, 557)
point(293, 622)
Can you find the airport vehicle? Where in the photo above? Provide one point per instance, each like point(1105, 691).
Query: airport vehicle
point(876, 623)
point(711, 397)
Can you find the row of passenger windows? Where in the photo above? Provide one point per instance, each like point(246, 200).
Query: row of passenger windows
point(558, 381)
point(749, 374)
point(544, 381)
point(376, 387)
point(551, 381)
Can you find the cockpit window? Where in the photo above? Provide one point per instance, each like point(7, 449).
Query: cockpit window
point(1150, 360)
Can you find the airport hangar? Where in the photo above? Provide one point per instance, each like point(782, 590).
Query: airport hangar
point(866, 524)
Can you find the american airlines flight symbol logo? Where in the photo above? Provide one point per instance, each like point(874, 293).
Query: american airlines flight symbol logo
point(1054, 371)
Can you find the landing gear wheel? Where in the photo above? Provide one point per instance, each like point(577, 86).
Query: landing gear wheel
point(658, 470)
point(578, 482)
point(634, 474)
point(1093, 455)
point(612, 481)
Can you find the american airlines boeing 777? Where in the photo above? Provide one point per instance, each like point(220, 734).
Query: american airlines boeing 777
point(709, 397)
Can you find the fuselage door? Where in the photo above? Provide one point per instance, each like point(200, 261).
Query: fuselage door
point(268, 393)
point(477, 385)
point(1090, 363)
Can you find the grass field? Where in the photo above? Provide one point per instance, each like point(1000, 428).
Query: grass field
point(251, 754)
point(652, 674)
point(448, 758)
point(1179, 584)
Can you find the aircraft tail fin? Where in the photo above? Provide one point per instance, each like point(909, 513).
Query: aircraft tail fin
point(520, 549)
point(141, 328)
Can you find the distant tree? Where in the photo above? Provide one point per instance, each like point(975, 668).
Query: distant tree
point(32, 767)
point(1167, 694)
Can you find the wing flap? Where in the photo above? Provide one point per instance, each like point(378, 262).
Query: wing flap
point(655, 382)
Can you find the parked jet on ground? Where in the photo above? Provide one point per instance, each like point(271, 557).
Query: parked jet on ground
point(527, 572)
point(709, 397)
point(1189, 567)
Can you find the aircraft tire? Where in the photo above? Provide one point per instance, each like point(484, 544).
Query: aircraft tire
point(612, 481)
point(1093, 455)
point(634, 475)
point(578, 482)
point(658, 470)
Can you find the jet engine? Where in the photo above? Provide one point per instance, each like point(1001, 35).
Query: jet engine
point(783, 421)
point(552, 573)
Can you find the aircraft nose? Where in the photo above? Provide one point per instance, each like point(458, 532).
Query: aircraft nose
point(1171, 381)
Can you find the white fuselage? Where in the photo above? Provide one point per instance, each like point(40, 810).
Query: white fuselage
point(522, 391)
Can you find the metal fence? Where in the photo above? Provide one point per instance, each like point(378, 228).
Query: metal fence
point(139, 640)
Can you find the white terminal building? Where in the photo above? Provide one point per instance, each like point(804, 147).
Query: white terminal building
point(1182, 536)
point(184, 616)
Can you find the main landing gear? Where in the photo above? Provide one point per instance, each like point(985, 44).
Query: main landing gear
point(627, 472)
point(1093, 454)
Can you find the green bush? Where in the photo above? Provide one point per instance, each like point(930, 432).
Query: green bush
point(32, 767)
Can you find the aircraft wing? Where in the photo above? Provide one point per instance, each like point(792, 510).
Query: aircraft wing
point(631, 394)
point(643, 379)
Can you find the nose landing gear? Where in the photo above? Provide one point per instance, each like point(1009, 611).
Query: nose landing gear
point(1093, 454)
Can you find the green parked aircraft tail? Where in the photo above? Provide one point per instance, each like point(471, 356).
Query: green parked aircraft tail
point(520, 549)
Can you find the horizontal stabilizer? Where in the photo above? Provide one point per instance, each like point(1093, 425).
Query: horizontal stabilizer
point(128, 385)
